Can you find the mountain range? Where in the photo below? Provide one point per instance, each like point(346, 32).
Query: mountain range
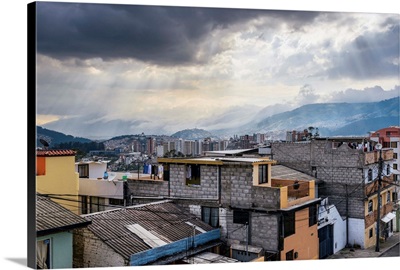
point(331, 119)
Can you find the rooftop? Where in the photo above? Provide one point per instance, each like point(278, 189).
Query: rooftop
point(52, 153)
point(51, 217)
point(139, 228)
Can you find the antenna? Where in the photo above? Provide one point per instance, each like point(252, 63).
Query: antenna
point(44, 142)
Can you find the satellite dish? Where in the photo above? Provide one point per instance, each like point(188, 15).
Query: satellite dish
point(44, 142)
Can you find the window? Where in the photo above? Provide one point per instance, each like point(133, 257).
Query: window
point(394, 196)
point(370, 175)
point(241, 217)
point(193, 174)
point(312, 215)
point(43, 254)
point(388, 197)
point(393, 145)
point(96, 204)
point(290, 255)
point(394, 166)
point(288, 224)
point(262, 174)
point(371, 233)
point(210, 215)
point(370, 206)
point(388, 170)
point(84, 208)
point(395, 155)
point(112, 201)
point(166, 172)
point(83, 170)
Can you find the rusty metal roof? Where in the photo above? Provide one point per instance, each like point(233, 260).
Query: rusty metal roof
point(163, 220)
point(51, 217)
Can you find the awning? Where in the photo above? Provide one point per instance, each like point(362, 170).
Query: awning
point(388, 217)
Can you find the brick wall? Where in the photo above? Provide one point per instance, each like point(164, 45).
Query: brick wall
point(90, 251)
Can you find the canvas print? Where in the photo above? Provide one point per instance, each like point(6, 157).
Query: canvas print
point(177, 135)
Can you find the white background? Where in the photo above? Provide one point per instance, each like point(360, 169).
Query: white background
point(14, 126)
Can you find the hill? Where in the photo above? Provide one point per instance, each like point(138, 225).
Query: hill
point(193, 134)
point(54, 137)
point(333, 118)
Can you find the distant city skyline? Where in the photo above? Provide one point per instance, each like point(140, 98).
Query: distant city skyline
point(107, 69)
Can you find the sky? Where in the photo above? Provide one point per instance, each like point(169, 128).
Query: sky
point(113, 69)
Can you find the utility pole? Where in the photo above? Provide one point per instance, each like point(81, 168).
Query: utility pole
point(247, 239)
point(378, 219)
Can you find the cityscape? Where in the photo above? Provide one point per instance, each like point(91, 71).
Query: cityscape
point(195, 136)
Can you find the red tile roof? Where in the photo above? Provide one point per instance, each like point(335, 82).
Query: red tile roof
point(52, 153)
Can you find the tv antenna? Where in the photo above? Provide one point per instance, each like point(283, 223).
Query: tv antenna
point(44, 142)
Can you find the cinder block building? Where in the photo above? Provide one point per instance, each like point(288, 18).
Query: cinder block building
point(264, 211)
point(348, 170)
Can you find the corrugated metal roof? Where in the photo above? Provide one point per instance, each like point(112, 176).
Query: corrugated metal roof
point(52, 217)
point(51, 153)
point(165, 220)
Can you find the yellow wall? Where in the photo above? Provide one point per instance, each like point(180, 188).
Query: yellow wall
point(305, 240)
point(255, 175)
point(369, 242)
point(60, 178)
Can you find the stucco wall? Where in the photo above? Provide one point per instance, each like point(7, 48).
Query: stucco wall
point(61, 178)
point(303, 234)
point(60, 249)
point(356, 232)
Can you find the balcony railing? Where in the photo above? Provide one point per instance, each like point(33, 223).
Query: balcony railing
point(294, 192)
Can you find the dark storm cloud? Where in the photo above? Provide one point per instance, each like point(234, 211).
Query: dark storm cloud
point(165, 35)
point(371, 55)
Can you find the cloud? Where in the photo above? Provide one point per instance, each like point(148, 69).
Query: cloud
point(368, 94)
point(373, 54)
point(157, 34)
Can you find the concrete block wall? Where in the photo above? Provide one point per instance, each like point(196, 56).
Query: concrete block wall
point(267, 198)
point(236, 183)
point(302, 156)
point(337, 196)
point(148, 188)
point(262, 230)
point(293, 155)
point(90, 251)
point(208, 188)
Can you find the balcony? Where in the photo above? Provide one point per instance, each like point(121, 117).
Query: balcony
point(294, 192)
point(373, 157)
